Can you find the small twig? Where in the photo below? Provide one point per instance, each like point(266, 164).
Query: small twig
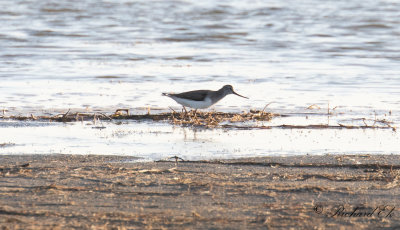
point(66, 114)
point(172, 109)
point(262, 112)
point(106, 116)
point(328, 113)
point(176, 158)
point(363, 119)
point(63, 118)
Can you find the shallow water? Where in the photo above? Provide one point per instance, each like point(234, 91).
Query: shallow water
point(104, 55)
point(155, 141)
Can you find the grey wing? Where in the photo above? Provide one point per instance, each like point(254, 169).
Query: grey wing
point(197, 95)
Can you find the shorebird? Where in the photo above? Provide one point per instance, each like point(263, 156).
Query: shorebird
point(201, 99)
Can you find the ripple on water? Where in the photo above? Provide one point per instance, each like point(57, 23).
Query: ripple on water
point(105, 55)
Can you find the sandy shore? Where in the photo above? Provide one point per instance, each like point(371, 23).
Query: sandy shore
point(112, 192)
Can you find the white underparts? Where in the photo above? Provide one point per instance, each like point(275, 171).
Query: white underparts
point(194, 104)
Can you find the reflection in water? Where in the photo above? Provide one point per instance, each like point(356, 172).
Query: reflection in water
point(192, 133)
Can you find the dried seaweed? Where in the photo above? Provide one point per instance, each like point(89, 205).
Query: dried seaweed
point(184, 118)
point(244, 120)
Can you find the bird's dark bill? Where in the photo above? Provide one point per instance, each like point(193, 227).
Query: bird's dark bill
point(240, 95)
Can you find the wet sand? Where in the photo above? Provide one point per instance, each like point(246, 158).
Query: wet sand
point(114, 192)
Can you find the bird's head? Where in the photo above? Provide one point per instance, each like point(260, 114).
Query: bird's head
point(228, 89)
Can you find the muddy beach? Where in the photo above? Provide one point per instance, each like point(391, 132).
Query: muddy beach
point(117, 192)
point(86, 137)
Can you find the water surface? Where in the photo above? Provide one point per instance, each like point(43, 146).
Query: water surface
point(103, 55)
